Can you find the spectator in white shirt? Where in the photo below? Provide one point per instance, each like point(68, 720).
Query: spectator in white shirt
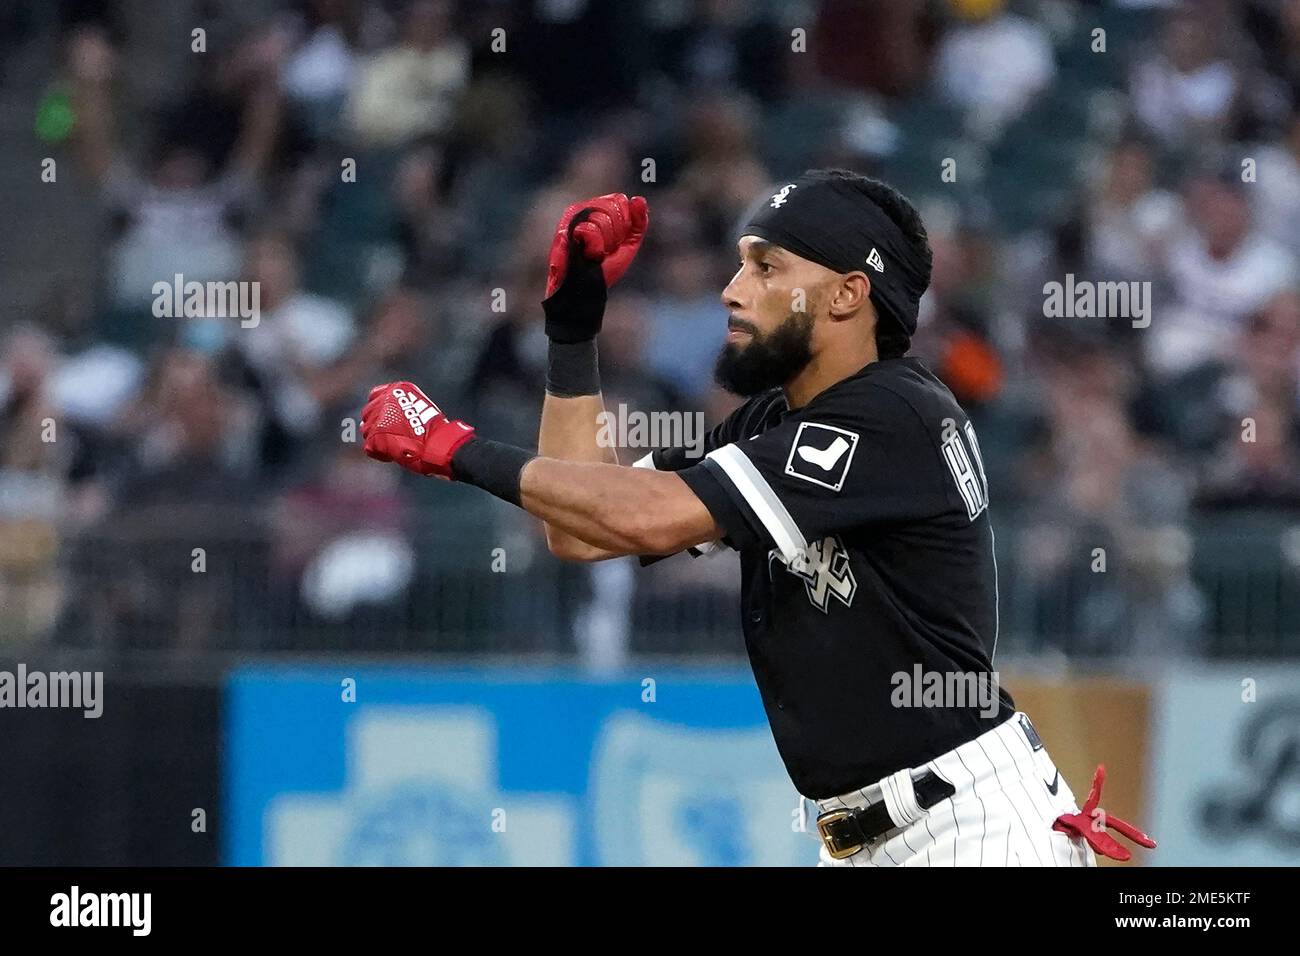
point(993, 65)
point(1131, 222)
point(411, 89)
point(1276, 192)
point(1221, 273)
point(1185, 91)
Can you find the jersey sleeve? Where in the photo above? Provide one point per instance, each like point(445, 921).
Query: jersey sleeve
point(681, 459)
point(868, 457)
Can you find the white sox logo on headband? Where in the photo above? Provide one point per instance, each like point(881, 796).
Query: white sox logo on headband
point(838, 223)
point(782, 196)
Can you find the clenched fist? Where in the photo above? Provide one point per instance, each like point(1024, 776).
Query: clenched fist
point(401, 424)
point(595, 242)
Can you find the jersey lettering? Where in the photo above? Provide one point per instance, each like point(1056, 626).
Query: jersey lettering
point(970, 481)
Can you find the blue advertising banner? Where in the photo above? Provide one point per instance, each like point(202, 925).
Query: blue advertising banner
point(1226, 747)
point(349, 766)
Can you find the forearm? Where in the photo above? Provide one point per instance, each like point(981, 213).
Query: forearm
point(619, 510)
point(260, 123)
point(570, 431)
point(614, 510)
point(93, 137)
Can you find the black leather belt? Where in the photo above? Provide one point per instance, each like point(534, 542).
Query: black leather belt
point(845, 832)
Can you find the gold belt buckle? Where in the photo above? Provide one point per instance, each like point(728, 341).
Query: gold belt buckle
point(836, 850)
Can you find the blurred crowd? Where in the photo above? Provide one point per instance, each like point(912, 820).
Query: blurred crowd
point(390, 173)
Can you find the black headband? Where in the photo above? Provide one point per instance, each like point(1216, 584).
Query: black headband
point(827, 220)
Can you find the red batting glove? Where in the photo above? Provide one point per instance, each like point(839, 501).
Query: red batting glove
point(609, 230)
point(400, 424)
point(595, 241)
point(1091, 823)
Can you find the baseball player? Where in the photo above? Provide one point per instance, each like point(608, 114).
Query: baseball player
point(851, 484)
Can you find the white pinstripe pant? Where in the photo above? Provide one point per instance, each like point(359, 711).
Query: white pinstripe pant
point(1000, 814)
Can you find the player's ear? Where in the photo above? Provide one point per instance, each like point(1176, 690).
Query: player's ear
point(848, 295)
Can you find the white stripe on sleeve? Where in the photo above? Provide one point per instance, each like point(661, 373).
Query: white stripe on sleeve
point(758, 494)
point(706, 547)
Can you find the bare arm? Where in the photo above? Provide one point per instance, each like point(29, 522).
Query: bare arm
point(594, 243)
point(257, 66)
point(568, 432)
point(616, 511)
point(91, 67)
point(257, 134)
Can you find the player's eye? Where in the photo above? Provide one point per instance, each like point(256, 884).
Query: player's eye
point(764, 268)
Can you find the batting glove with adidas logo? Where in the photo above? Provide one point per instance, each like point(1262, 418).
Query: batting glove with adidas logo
point(401, 424)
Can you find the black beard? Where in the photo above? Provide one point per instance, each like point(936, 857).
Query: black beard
point(767, 361)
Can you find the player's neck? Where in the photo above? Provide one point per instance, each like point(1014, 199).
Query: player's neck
point(826, 368)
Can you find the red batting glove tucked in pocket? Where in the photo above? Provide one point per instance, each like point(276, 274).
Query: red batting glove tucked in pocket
point(1091, 823)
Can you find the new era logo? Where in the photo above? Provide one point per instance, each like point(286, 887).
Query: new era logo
point(875, 261)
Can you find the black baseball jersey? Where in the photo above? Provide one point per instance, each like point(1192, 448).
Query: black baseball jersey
point(870, 586)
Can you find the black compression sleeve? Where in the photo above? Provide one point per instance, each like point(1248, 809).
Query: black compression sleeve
point(491, 465)
point(572, 369)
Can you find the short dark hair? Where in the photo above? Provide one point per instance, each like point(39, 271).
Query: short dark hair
point(892, 341)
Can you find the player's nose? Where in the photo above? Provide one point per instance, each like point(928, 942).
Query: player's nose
point(730, 295)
